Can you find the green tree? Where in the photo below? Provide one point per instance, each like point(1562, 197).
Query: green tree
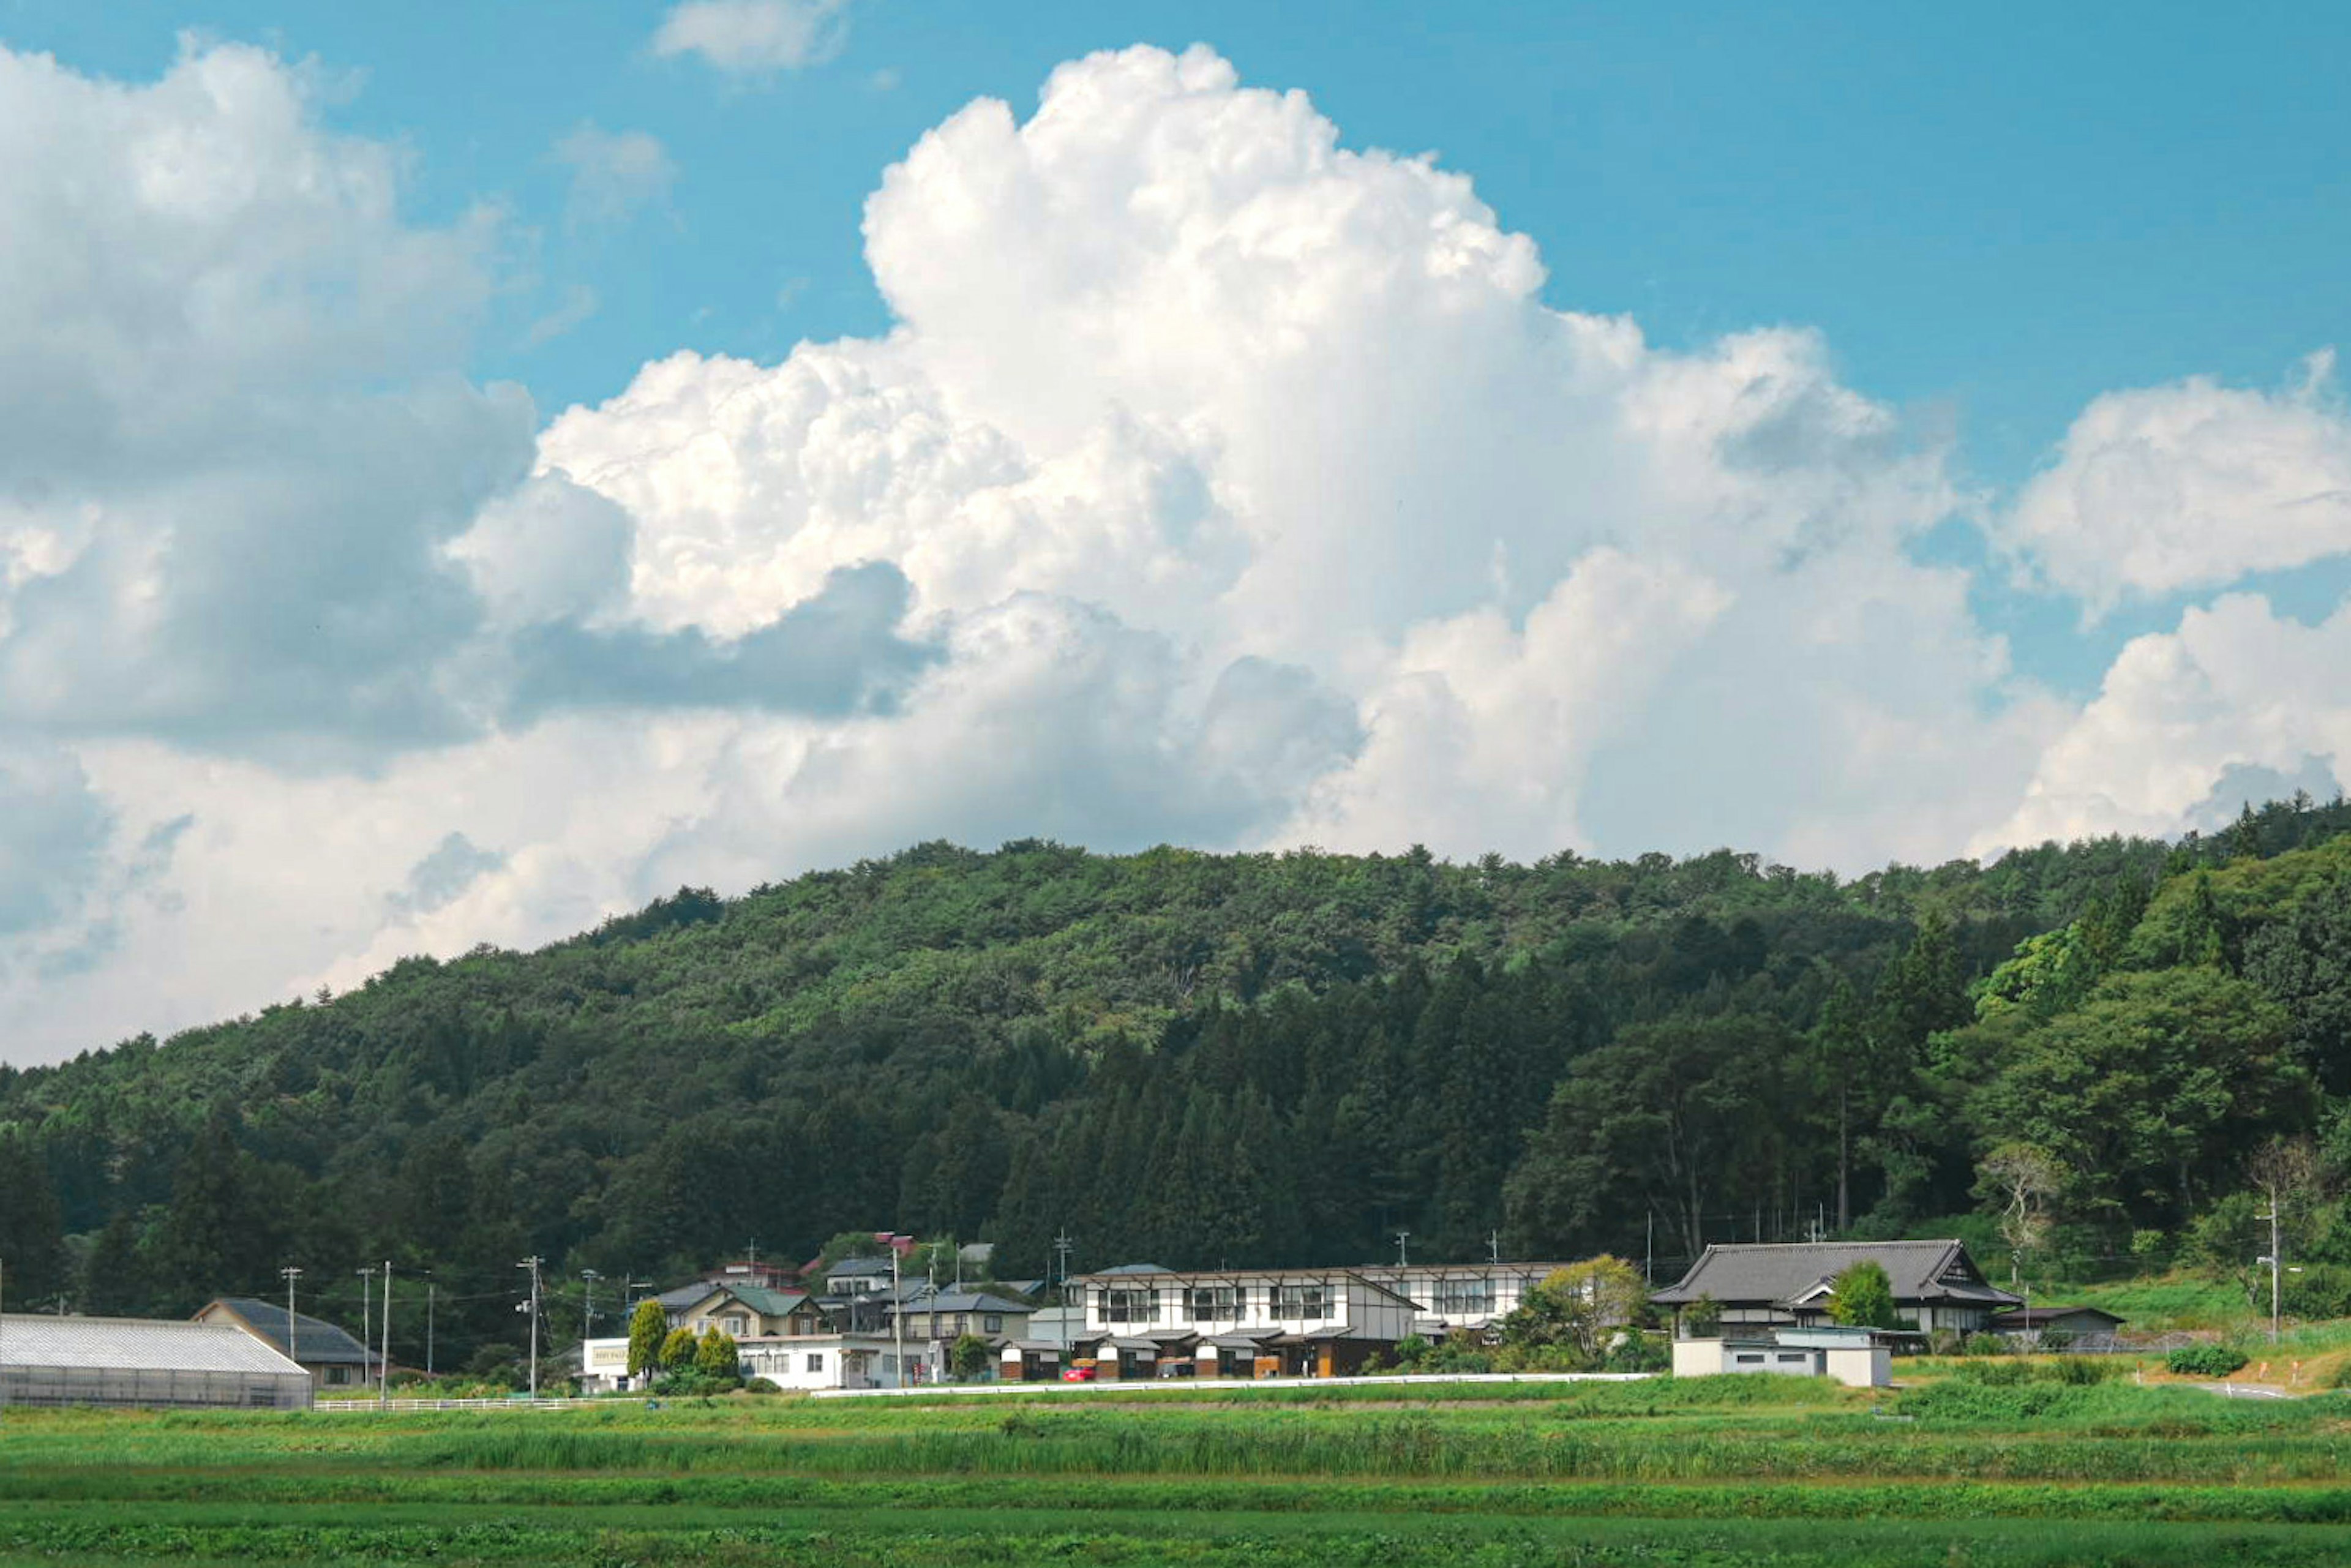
point(32, 1234)
point(1862, 1296)
point(679, 1349)
point(2144, 1096)
point(1580, 1306)
point(968, 1357)
point(719, 1356)
point(648, 1326)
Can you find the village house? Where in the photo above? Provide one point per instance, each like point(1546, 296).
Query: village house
point(329, 1355)
point(1792, 1284)
point(1142, 1321)
point(948, 1315)
point(755, 1311)
point(1460, 1298)
point(2077, 1327)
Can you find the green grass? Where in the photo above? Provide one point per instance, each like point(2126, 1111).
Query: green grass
point(1720, 1471)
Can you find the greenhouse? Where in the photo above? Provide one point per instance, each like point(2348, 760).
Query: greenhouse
point(149, 1363)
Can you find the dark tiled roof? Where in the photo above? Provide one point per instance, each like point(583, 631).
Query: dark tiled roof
point(2042, 1317)
point(317, 1342)
point(1777, 1272)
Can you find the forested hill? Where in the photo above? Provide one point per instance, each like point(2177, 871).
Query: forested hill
point(1201, 1059)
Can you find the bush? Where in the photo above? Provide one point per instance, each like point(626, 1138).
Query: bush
point(2204, 1360)
point(1702, 1319)
point(1639, 1351)
point(1986, 1344)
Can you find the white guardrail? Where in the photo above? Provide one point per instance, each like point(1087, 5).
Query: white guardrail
point(1231, 1384)
point(373, 1407)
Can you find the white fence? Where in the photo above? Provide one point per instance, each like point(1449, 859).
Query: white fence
point(371, 1406)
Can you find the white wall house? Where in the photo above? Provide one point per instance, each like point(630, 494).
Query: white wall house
point(800, 1362)
point(1461, 1297)
point(1228, 1301)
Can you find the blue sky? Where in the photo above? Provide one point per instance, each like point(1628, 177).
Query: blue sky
point(1971, 480)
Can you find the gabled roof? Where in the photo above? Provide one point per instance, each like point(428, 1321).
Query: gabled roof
point(1784, 1273)
point(2042, 1317)
point(1127, 1269)
point(150, 1344)
point(963, 1302)
point(768, 1303)
point(317, 1342)
point(685, 1297)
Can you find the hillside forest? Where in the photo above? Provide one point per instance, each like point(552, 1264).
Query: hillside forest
point(2105, 1056)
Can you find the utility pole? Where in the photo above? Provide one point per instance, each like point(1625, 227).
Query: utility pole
point(588, 1308)
point(1061, 1245)
point(532, 1264)
point(4, 1313)
point(1649, 1253)
point(366, 1315)
point(1401, 1237)
point(1494, 1248)
point(431, 1285)
point(291, 1274)
point(2273, 1261)
point(383, 1361)
point(898, 1316)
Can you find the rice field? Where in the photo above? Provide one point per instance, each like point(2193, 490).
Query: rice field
point(1722, 1471)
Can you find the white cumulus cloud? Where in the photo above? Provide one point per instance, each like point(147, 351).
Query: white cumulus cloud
point(2161, 490)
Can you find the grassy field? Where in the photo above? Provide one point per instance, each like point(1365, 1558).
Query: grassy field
point(1724, 1472)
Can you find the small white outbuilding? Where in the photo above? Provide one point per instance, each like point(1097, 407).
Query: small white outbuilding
point(1859, 1357)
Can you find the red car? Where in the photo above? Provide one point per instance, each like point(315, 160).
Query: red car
point(1082, 1372)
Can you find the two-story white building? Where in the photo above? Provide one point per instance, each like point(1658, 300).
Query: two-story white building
point(1460, 1298)
point(1142, 1321)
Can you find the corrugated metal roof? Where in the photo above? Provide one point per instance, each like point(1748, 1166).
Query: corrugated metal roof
point(137, 1345)
point(320, 1342)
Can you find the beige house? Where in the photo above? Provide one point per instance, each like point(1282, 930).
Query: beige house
point(755, 1311)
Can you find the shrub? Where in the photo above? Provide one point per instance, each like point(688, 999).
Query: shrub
point(1703, 1318)
point(2204, 1360)
point(1639, 1351)
point(1985, 1344)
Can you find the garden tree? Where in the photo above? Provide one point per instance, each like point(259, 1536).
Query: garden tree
point(968, 1358)
point(648, 1331)
point(1581, 1305)
point(2143, 1094)
point(1703, 1318)
point(1862, 1296)
point(2023, 1180)
point(679, 1349)
point(718, 1355)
